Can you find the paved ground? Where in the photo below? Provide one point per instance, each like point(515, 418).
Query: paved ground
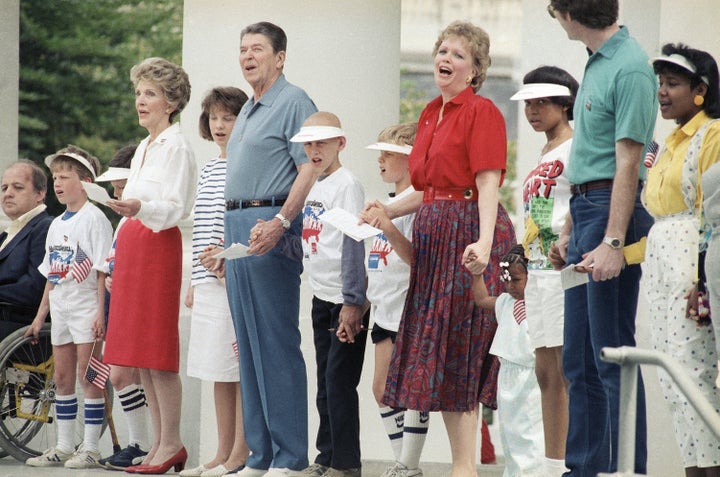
point(12, 468)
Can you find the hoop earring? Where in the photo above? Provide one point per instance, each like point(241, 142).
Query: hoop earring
point(699, 100)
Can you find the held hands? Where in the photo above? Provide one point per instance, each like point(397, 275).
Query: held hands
point(476, 257)
point(126, 208)
point(349, 323)
point(603, 262)
point(697, 308)
point(264, 236)
point(214, 265)
point(375, 215)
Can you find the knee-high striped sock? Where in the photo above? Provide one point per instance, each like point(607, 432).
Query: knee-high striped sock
point(134, 406)
point(66, 408)
point(416, 427)
point(394, 422)
point(94, 416)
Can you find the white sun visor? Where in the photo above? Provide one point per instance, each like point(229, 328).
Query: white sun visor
point(317, 133)
point(540, 90)
point(386, 146)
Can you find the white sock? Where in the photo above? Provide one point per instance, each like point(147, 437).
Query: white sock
point(134, 406)
point(394, 422)
point(66, 408)
point(416, 427)
point(94, 416)
point(555, 467)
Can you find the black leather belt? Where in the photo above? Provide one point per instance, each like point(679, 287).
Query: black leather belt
point(246, 204)
point(601, 184)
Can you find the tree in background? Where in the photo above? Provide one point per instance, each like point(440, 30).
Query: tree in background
point(75, 60)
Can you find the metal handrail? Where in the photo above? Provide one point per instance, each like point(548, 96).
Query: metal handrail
point(629, 358)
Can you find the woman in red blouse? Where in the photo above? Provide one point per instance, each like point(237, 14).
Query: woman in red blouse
point(441, 360)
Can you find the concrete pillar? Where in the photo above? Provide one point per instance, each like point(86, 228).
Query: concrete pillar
point(9, 74)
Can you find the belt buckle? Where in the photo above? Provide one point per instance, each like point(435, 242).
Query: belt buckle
point(468, 194)
point(254, 203)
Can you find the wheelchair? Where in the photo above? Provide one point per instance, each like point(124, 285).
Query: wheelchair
point(27, 397)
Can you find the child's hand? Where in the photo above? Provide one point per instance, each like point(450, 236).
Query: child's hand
point(108, 283)
point(33, 331)
point(696, 309)
point(371, 215)
point(376, 216)
point(98, 326)
point(349, 323)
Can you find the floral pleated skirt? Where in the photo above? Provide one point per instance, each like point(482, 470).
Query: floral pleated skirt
point(441, 360)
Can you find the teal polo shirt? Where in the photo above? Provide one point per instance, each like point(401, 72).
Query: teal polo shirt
point(617, 100)
point(261, 160)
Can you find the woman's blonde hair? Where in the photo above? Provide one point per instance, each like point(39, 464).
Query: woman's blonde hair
point(171, 78)
point(479, 44)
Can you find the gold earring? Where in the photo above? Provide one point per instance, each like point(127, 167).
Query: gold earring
point(699, 100)
point(469, 79)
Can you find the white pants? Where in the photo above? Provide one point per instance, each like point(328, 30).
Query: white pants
point(520, 417)
point(669, 270)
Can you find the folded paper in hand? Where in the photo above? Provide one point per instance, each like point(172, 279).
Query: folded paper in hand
point(236, 250)
point(571, 278)
point(347, 223)
point(96, 192)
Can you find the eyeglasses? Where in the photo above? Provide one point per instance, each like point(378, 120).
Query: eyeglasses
point(551, 10)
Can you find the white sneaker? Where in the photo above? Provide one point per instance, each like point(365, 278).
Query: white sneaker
point(276, 472)
point(50, 458)
point(84, 459)
point(399, 470)
point(250, 472)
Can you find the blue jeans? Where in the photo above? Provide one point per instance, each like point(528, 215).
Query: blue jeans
point(339, 366)
point(264, 296)
point(600, 314)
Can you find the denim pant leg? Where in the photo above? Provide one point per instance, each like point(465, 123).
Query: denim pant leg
point(597, 315)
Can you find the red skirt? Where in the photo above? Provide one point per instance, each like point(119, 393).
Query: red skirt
point(145, 304)
point(441, 359)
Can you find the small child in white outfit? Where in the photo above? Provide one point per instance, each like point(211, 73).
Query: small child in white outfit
point(518, 395)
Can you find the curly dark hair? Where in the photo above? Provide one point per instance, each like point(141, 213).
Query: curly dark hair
point(705, 65)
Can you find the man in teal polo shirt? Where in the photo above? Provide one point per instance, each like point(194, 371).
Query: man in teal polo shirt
point(614, 113)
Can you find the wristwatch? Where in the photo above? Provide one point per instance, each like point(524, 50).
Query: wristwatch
point(614, 243)
point(285, 222)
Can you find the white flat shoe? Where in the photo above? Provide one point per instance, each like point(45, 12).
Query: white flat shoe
point(194, 472)
point(215, 471)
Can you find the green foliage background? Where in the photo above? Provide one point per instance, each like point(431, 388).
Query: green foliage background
point(75, 60)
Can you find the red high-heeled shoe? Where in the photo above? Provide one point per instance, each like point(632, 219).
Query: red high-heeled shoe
point(178, 461)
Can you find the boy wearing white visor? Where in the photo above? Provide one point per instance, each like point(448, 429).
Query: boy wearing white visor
point(388, 276)
point(335, 264)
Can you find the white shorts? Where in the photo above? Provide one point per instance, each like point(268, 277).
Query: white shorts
point(210, 350)
point(72, 311)
point(545, 308)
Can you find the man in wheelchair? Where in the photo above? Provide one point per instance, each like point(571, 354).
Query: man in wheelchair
point(22, 244)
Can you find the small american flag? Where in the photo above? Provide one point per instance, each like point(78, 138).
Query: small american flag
point(235, 350)
point(82, 266)
point(97, 372)
point(651, 154)
point(519, 311)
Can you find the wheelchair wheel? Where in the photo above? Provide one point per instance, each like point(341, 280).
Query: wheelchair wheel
point(27, 396)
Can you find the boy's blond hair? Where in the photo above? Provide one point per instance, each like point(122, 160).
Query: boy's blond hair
point(400, 134)
point(62, 162)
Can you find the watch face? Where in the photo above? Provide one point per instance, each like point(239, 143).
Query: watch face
point(615, 243)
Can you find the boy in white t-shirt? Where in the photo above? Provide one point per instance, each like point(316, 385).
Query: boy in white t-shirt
point(336, 268)
point(77, 244)
point(388, 276)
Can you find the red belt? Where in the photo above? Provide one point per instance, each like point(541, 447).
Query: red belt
point(449, 193)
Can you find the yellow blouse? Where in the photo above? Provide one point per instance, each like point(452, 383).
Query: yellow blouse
point(663, 193)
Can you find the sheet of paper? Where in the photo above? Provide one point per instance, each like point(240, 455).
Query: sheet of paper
point(347, 223)
point(571, 278)
point(96, 192)
point(236, 250)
